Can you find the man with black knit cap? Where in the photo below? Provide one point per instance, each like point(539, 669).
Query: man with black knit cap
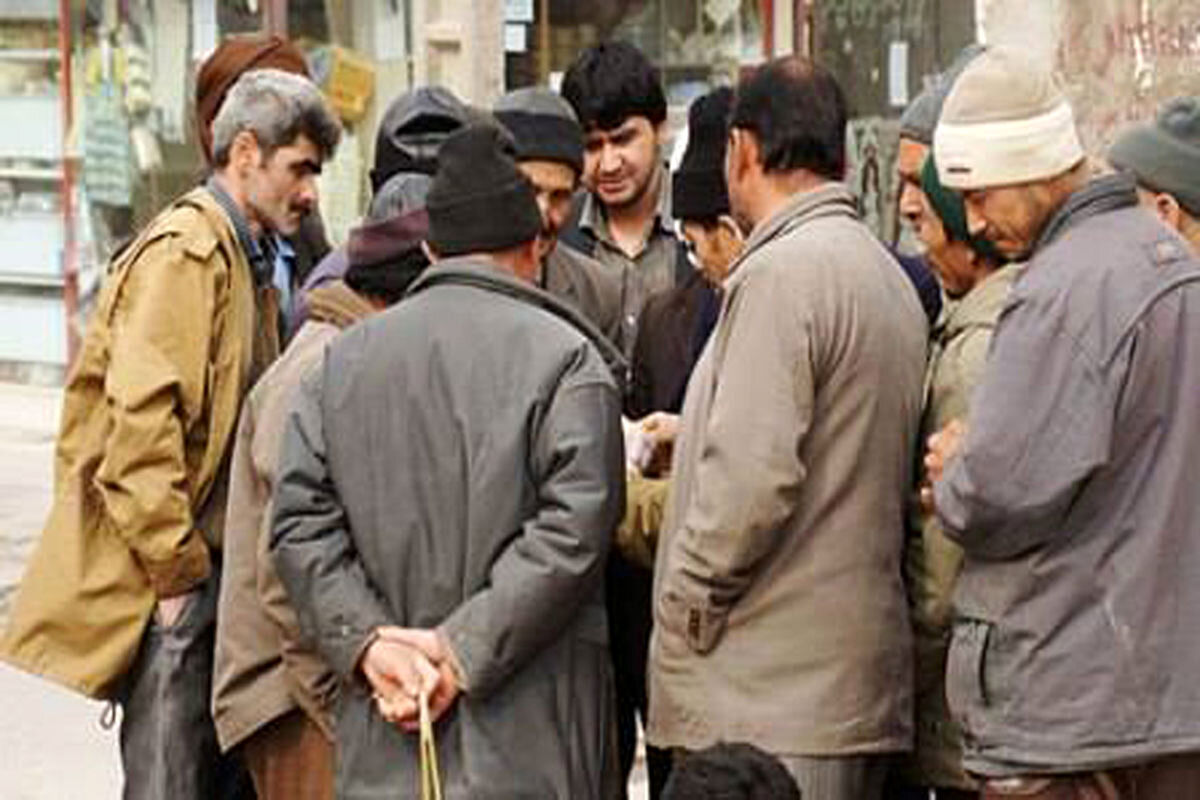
point(406, 146)
point(549, 146)
point(450, 483)
point(273, 696)
point(1164, 158)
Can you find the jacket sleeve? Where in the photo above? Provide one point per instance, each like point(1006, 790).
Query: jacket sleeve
point(749, 471)
point(310, 541)
point(313, 681)
point(161, 325)
point(557, 560)
point(1041, 423)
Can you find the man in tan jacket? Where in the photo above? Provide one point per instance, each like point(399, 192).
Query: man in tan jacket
point(118, 601)
point(780, 616)
point(272, 693)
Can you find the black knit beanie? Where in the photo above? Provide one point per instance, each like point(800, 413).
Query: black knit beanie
point(543, 126)
point(698, 188)
point(480, 202)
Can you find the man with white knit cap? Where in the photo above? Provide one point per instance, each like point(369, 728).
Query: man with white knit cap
point(1074, 667)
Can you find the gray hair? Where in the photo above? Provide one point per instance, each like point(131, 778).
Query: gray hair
point(277, 107)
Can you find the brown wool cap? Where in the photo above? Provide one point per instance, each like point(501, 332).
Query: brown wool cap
point(236, 55)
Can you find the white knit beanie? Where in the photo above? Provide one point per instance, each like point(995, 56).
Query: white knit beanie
point(1005, 122)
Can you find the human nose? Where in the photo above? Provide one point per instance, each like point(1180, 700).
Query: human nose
point(610, 159)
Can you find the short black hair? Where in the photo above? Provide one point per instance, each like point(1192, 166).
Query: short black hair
point(798, 112)
point(609, 83)
point(730, 772)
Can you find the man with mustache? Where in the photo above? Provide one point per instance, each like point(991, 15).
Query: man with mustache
point(119, 599)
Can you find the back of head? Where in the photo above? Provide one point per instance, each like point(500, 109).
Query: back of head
point(698, 190)
point(730, 772)
point(233, 57)
point(609, 83)
point(1005, 121)
point(277, 107)
point(543, 126)
point(413, 129)
point(480, 202)
point(920, 118)
point(1164, 155)
point(403, 192)
point(385, 256)
point(797, 112)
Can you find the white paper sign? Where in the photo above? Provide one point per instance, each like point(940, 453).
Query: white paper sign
point(518, 10)
point(515, 40)
point(898, 73)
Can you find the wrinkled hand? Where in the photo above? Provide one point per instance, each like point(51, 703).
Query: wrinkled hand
point(398, 673)
point(168, 610)
point(431, 644)
point(943, 446)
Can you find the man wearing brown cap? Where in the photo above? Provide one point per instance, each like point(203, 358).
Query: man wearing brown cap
point(293, 256)
point(1074, 657)
point(273, 695)
point(118, 601)
point(450, 481)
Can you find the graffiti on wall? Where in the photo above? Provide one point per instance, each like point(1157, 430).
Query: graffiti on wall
point(871, 150)
point(1121, 59)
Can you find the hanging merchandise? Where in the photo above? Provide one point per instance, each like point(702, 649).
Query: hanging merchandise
point(107, 156)
point(168, 39)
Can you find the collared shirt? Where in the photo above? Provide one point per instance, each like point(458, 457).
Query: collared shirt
point(283, 272)
point(653, 269)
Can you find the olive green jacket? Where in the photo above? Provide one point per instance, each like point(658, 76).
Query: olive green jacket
point(957, 355)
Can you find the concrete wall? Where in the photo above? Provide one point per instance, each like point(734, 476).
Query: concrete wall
point(1118, 59)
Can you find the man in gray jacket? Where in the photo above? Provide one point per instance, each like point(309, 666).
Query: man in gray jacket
point(450, 482)
point(780, 616)
point(1074, 667)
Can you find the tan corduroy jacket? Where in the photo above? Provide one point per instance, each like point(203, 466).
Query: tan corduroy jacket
point(148, 418)
point(779, 609)
point(264, 667)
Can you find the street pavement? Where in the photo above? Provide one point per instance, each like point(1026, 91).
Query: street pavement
point(51, 740)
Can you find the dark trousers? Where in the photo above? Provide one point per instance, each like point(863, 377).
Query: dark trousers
point(168, 742)
point(630, 618)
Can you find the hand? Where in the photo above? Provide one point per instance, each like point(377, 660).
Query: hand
point(662, 429)
point(942, 447)
point(168, 610)
point(398, 673)
point(432, 644)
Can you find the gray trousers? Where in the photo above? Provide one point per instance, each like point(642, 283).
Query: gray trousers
point(168, 742)
point(839, 777)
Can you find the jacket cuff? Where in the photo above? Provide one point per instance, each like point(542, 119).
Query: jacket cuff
point(186, 569)
point(460, 674)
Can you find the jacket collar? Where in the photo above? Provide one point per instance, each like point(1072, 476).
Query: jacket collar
point(480, 274)
point(260, 266)
point(832, 199)
point(979, 307)
point(1099, 196)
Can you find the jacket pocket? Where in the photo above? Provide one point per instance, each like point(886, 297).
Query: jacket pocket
point(966, 673)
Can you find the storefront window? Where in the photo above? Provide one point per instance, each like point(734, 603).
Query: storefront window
point(696, 43)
